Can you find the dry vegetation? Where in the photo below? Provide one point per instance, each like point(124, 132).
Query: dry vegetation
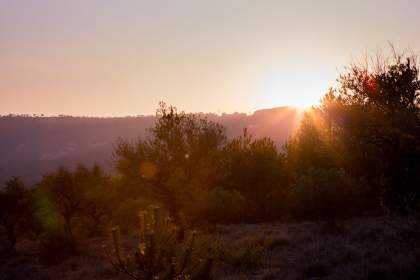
point(373, 248)
point(367, 248)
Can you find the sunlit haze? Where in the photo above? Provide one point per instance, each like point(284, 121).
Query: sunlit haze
point(117, 58)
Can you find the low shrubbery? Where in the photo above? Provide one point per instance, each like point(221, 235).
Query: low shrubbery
point(126, 214)
point(55, 246)
point(326, 194)
point(163, 252)
point(225, 206)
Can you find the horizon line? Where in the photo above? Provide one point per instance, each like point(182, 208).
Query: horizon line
point(27, 115)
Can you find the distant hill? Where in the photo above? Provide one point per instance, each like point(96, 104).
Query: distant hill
point(33, 146)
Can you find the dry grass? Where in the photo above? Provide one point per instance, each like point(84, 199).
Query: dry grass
point(25, 263)
point(369, 248)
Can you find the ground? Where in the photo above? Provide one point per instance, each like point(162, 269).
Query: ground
point(363, 248)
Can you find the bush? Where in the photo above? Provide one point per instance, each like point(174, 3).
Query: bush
point(56, 245)
point(216, 206)
point(247, 254)
point(326, 194)
point(126, 215)
point(181, 153)
point(162, 253)
point(225, 206)
point(254, 167)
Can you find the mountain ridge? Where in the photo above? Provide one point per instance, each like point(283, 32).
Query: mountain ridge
point(33, 146)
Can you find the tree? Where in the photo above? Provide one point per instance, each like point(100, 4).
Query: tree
point(64, 194)
point(85, 194)
point(311, 146)
point(99, 197)
point(255, 169)
point(15, 209)
point(180, 154)
point(373, 117)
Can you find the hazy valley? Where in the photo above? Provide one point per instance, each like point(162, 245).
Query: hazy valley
point(33, 146)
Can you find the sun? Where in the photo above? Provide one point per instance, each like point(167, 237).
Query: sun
point(301, 102)
point(303, 105)
point(300, 88)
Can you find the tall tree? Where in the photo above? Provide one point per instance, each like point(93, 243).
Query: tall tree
point(180, 154)
point(374, 116)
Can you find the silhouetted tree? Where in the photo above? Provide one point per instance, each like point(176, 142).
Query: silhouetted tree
point(374, 118)
point(86, 194)
point(15, 209)
point(65, 194)
point(180, 154)
point(99, 197)
point(255, 169)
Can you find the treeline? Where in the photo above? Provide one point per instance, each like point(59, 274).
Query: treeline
point(356, 154)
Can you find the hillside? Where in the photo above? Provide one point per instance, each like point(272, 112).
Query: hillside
point(33, 146)
point(369, 248)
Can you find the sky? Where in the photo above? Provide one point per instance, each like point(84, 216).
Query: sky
point(118, 58)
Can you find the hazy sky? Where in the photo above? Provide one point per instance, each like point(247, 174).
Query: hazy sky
point(122, 57)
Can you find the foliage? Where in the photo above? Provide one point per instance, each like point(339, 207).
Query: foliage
point(15, 210)
point(311, 146)
point(225, 206)
point(64, 195)
point(181, 154)
point(374, 119)
point(127, 211)
point(161, 254)
point(369, 126)
point(248, 253)
point(254, 168)
point(55, 246)
point(326, 194)
point(248, 256)
point(99, 196)
point(81, 197)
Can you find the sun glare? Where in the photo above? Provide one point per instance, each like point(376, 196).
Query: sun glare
point(303, 106)
point(301, 87)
